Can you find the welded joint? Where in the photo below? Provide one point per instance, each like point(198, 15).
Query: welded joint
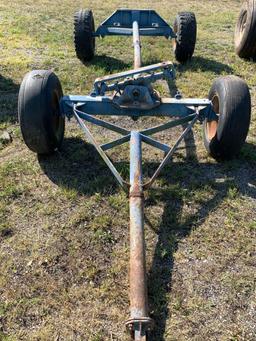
point(136, 194)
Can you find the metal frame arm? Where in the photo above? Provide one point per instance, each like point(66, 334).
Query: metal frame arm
point(146, 75)
point(171, 152)
point(104, 156)
point(105, 105)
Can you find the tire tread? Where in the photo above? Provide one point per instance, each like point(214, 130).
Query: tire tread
point(83, 40)
point(185, 27)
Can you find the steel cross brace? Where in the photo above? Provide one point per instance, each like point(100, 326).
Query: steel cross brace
point(143, 136)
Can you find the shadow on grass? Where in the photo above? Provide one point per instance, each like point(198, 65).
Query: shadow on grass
point(8, 99)
point(7, 85)
point(78, 167)
point(202, 64)
point(171, 231)
point(109, 64)
point(237, 174)
point(199, 64)
point(248, 153)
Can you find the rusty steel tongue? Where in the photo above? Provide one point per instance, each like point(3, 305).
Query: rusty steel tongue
point(139, 323)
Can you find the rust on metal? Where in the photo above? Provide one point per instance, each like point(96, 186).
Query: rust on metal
point(138, 287)
point(136, 194)
point(137, 45)
point(138, 322)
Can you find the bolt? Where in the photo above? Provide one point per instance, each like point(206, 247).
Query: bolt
point(136, 93)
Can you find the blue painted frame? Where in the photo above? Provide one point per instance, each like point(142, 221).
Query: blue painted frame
point(87, 108)
point(105, 106)
point(185, 111)
point(133, 95)
point(120, 23)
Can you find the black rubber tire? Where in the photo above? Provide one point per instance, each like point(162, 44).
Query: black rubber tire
point(185, 28)
point(42, 125)
point(83, 35)
point(231, 100)
point(245, 33)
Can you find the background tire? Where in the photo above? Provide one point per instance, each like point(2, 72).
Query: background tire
point(185, 28)
point(41, 123)
point(83, 35)
point(245, 33)
point(231, 100)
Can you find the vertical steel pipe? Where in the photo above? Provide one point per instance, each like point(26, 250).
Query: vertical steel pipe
point(137, 45)
point(138, 283)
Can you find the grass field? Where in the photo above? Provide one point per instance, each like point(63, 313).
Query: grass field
point(64, 244)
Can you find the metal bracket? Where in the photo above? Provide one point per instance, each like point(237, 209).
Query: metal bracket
point(137, 97)
point(141, 324)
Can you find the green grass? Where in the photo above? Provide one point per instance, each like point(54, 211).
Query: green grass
point(64, 222)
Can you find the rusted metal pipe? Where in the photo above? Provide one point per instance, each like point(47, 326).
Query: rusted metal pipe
point(137, 45)
point(139, 322)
